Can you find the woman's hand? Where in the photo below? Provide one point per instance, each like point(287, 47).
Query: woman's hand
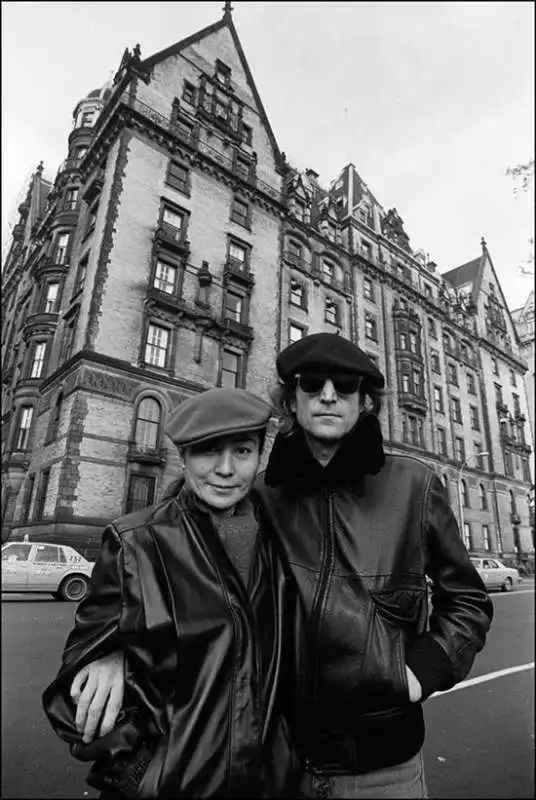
point(415, 688)
point(98, 688)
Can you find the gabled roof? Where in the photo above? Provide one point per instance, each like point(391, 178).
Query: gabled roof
point(177, 48)
point(463, 274)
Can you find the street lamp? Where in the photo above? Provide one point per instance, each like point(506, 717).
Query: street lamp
point(460, 499)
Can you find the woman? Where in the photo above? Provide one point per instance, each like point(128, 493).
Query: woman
point(191, 592)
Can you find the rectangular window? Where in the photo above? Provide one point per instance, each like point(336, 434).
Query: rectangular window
point(403, 341)
point(438, 399)
point(442, 441)
point(173, 222)
point(140, 492)
point(459, 446)
point(81, 275)
point(517, 407)
point(184, 129)
point(23, 431)
point(471, 385)
point(42, 495)
point(68, 337)
point(456, 410)
point(486, 538)
point(156, 348)
point(237, 255)
point(295, 333)
point(417, 385)
point(247, 134)
point(300, 209)
point(230, 368)
point(432, 331)
point(467, 535)
point(428, 290)
point(475, 422)
point(512, 378)
point(297, 294)
point(452, 373)
point(368, 289)
point(240, 213)
point(406, 383)
point(165, 277)
point(188, 93)
point(328, 271)
point(498, 394)
point(413, 343)
point(92, 218)
point(295, 249)
point(62, 248)
point(526, 470)
point(177, 177)
point(495, 366)
point(223, 73)
point(51, 298)
point(509, 464)
point(234, 306)
point(38, 360)
point(436, 366)
point(371, 329)
point(71, 199)
point(331, 312)
point(27, 502)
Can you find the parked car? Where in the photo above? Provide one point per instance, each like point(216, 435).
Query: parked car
point(495, 575)
point(43, 567)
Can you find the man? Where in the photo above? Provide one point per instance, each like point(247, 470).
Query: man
point(361, 531)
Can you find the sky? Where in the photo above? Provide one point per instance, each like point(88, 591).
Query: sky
point(432, 102)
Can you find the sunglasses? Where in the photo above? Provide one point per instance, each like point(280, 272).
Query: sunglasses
point(313, 383)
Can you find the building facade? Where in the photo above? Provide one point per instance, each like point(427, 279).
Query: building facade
point(178, 250)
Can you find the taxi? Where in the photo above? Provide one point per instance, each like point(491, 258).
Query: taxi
point(56, 569)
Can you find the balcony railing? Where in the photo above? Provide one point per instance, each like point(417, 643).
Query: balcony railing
point(234, 269)
point(172, 237)
point(172, 125)
point(238, 328)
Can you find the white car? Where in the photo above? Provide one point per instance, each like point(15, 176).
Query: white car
point(495, 575)
point(44, 567)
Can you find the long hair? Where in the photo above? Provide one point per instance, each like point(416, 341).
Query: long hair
point(283, 394)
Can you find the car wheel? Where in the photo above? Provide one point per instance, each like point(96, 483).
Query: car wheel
point(74, 588)
point(507, 585)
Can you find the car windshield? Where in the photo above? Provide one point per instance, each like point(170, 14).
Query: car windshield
point(16, 552)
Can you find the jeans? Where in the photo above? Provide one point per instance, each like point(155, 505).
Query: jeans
point(404, 780)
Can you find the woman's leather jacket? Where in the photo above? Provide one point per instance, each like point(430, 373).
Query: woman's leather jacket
point(360, 546)
point(204, 658)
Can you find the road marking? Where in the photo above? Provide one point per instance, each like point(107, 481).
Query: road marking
point(489, 676)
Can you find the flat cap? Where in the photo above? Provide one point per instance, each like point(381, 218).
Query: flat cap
point(217, 412)
point(325, 353)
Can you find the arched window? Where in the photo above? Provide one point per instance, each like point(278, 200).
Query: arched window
point(483, 497)
point(148, 424)
point(465, 494)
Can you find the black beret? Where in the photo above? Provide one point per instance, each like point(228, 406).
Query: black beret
point(217, 412)
point(325, 353)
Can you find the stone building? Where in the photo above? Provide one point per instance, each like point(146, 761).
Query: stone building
point(524, 321)
point(178, 250)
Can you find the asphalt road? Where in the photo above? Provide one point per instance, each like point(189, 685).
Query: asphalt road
point(480, 738)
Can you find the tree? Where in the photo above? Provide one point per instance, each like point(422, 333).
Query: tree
point(523, 174)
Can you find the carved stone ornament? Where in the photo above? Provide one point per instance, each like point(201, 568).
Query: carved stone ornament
point(393, 229)
point(109, 384)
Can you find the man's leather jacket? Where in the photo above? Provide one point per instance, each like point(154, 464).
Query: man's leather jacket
point(203, 658)
point(360, 547)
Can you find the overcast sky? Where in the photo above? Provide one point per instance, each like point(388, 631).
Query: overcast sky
point(431, 101)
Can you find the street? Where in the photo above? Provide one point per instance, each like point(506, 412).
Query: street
point(480, 737)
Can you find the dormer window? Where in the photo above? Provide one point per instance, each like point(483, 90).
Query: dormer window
point(247, 134)
point(300, 209)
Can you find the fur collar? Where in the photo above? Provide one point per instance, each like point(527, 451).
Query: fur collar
point(361, 453)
